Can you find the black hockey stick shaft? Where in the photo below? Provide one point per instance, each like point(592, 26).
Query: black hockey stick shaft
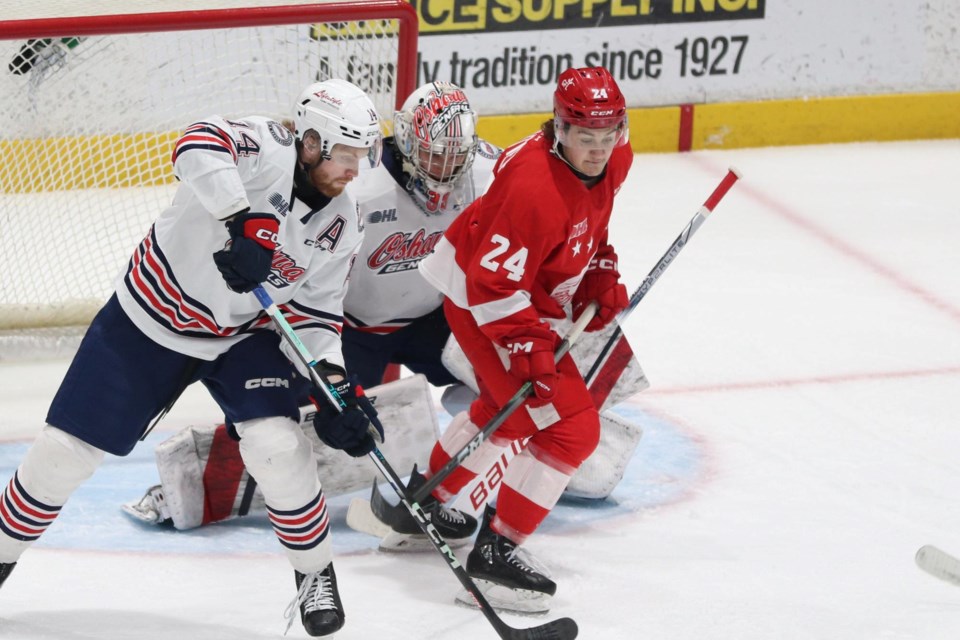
point(561, 629)
point(718, 193)
point(505, 411)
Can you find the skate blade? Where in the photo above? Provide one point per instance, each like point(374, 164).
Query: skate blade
point(144, 514)
point(505, 599)
point(402, 542)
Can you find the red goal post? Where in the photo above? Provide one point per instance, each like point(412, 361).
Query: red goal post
point(91, 104)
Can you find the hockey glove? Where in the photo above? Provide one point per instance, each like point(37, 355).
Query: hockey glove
point(601, 283)
point(348, 430)
point(532, 359)
point(246, 260)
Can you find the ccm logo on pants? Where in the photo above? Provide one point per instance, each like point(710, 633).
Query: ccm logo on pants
point(258, 383)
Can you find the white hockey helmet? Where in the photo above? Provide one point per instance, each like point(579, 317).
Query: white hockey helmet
point(436, 132)
point(341, 113)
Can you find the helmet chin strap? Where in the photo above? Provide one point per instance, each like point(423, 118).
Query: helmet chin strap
point(557, 150)
point(303, 188)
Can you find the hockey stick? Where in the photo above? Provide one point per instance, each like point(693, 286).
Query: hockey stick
point(505, 411)
point(561, 629)
point(721, 190)
point(288, 334)
point(939, 564)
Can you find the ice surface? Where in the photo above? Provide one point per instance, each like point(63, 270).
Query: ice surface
point(801, 441)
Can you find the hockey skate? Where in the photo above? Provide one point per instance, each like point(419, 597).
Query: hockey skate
point(399, 530)
point(506, 575)
point(318, 599)
point(5, 569)
point(151, 508)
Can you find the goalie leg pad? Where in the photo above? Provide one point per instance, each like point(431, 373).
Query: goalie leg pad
point(203, 480)
point(181, 474)
point(600, 473)
point(405, 408)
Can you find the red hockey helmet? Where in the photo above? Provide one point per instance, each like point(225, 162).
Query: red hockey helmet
point(589, 97)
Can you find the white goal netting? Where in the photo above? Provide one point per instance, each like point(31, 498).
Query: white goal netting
point(88, 118)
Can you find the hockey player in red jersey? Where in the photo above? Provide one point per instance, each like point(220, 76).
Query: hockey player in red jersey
point(256, 205)
point(524, 259)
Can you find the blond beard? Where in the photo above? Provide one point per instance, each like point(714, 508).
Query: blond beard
point(326, 186)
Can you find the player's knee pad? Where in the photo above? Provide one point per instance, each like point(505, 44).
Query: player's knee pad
point(56, 464)
point(460, 431)
point(570, 441)
point(279, 456)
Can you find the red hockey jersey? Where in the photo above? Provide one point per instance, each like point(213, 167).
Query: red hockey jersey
point(516, 256)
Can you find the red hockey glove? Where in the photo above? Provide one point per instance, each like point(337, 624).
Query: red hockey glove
point(531, 358)
point(248, 258)
point(601, 283)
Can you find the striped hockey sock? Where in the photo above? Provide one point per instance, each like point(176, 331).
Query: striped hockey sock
point(304, 528)
point(23, 517)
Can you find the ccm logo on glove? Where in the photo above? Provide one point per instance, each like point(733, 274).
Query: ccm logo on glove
point(350, 429)
point(268, 237)
point(532, 359)
point(601, 284)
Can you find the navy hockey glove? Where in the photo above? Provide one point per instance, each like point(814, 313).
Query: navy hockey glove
point(532, 358)
point(246, 260)
point(348, 430)
point(601, 283)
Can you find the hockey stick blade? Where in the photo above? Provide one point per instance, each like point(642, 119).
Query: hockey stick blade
point(939, 564)
point(362, 519)
point(560, 629)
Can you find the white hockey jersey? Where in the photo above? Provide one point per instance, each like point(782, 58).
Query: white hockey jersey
point(172, 289)
point(386, 290)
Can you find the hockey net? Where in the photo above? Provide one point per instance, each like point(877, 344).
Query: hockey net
point(92, 101)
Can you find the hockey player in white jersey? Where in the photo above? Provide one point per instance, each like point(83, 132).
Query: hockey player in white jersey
point(256, 205)
point(432, 168)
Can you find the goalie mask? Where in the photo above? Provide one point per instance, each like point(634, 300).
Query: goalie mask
point(589, 98)
point(341, 113)
point(436, 132)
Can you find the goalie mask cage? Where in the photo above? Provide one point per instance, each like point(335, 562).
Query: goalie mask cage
point(91, 105)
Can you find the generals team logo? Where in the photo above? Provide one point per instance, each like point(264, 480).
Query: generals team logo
point(403, 251)
point(284, 271)
point(433, 116)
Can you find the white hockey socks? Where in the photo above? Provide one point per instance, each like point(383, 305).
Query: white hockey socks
point(278, 454)
point(54, 466)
